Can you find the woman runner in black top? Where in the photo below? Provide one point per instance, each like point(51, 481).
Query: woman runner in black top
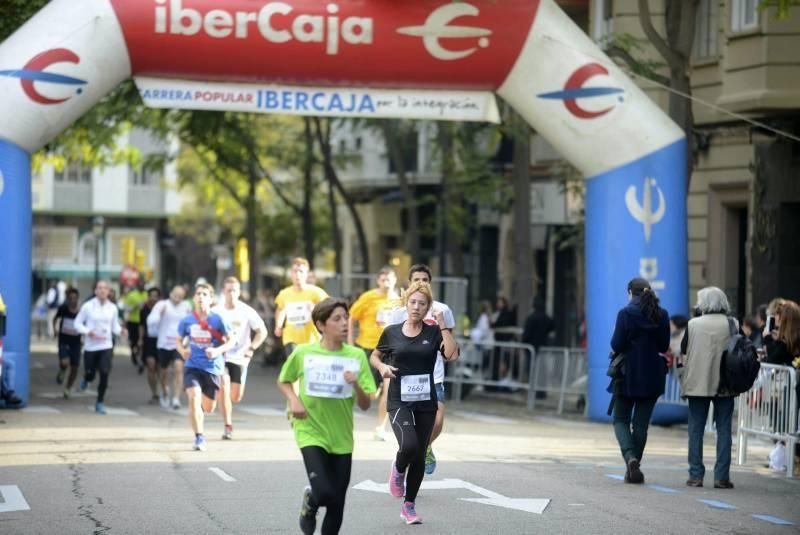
point(412, 347)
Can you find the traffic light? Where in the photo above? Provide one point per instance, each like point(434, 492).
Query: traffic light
point(242, 259)
point(140, 260)
point(128, 251)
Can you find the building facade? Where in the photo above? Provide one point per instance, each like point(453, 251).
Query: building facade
point(70, 242)
point(744, 196)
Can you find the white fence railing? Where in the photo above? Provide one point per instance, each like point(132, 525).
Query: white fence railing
point(769, 410)
point(511, 366)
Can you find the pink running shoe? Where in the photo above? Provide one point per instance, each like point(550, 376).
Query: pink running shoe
point(397, 482)
point(409, 514)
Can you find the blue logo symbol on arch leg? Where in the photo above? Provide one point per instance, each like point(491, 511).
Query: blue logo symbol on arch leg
point(635, 227)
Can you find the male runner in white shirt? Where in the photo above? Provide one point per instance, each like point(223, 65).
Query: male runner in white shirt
point(98, 320)
point(242, 319)
point(164, 319)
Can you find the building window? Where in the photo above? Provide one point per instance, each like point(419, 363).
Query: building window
point(145, 177)
point(74, 173)
point(706, 34)
point(744, 15)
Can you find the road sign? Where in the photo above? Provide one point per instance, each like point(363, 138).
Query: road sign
point(529, 505)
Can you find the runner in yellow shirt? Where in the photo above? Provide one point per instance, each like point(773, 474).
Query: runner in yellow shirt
point(294, 305)
point(372, 311)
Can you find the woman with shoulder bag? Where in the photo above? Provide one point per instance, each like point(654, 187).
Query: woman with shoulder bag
point(703, 344)
point(642, 334)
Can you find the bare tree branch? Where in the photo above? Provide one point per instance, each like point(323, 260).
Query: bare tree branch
point(253, 153)
point(615, 51)
point(649, 30)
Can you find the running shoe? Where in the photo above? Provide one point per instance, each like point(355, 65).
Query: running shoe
point(163, 401)
point(67, 393)
point(409, 514)
point(430, 461)
point(153, 400)
point(99, 408)
point(380, 433)
point(397, 482)
point(60, 376)
point(228, 433)
point(176, 403)
point(84, 385)
point(199, 443)
point(308, 514)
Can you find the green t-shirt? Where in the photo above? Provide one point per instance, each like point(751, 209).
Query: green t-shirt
point(327, 398)
point(133, 302)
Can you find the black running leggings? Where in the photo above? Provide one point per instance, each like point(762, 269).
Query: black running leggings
point(329, 476)
point(413, 431)
point(98, 361)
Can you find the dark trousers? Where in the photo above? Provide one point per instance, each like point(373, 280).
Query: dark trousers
point(631, 420)
point(329, 476)
point(698, 414)
point(98, 362)
point(413, 430)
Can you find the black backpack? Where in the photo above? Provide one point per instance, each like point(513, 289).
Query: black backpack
point(739, 367)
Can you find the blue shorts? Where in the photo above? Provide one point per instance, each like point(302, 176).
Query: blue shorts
point(208, 382)
point(439, 392)
point(71, 351)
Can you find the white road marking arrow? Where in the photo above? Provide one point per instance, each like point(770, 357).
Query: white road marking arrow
point(536, 506)
point(13, 500)
point(223, 475)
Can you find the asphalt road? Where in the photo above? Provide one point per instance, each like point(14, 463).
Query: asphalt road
point(133, 471)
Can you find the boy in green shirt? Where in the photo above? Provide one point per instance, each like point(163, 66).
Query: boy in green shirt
point(331, 375)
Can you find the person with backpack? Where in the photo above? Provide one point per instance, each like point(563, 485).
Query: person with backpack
point(641, 334)
point(701, 372)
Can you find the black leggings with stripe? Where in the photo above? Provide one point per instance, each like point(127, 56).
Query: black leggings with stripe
point(329, 476)
point(413, 430)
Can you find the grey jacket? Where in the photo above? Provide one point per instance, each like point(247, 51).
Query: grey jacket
point(707, 337)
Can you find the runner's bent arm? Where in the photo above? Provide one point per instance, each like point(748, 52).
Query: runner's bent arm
point(280, 317)
point(227, 345)
point(386, 371)
point(258, 339)
point(295, 404)
point(55, 320)
point(449, 345)
point(80, 320)
point(450, 349)
point(361, 397)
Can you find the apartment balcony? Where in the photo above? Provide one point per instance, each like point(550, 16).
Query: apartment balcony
point(72, 197)
point(146, 200)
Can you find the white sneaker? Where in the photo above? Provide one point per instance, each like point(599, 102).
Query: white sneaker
point(176, 403)
point(164, 401)
point(380, 433)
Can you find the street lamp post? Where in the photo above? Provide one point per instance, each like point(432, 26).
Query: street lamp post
point(98, 225)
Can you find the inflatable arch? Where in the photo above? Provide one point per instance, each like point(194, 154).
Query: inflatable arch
point(71, 54)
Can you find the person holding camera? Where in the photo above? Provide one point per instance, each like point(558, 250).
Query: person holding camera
point(642, 335)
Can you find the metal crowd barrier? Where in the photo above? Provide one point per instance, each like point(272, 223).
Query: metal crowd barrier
point(769, 410)
point(506, 366)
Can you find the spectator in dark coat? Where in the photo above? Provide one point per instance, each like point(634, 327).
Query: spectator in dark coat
point(642, 334)
point(538, 326)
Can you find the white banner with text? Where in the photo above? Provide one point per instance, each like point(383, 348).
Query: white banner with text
point(335, 102)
